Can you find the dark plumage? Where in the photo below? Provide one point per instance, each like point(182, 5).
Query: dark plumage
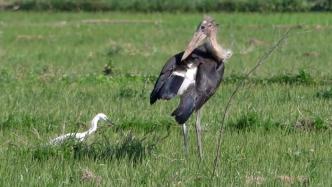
point(209, 74)
point(194, 74)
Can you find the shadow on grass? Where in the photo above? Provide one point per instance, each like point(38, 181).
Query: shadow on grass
point(129, 147)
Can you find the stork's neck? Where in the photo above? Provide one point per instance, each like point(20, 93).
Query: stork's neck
point(214, 47)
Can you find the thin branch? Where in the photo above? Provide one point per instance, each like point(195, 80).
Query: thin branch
point(260, 61)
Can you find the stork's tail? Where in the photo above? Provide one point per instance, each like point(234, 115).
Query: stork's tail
point(185, 109)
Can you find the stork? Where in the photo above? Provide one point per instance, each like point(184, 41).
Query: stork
point(194, 75)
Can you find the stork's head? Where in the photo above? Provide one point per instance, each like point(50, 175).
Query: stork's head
point(205, 29)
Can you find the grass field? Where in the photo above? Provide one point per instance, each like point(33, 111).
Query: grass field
point(278, 130)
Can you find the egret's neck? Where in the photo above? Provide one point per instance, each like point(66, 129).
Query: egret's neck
point(93, 127)
point(214, 47)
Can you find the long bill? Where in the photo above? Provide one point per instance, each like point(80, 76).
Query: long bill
point(196, 41)
point(110, 123)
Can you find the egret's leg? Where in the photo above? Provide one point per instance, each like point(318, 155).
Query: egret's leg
point(185, 138)
point(199, 134)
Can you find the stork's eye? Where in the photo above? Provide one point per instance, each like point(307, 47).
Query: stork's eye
point(202, 27)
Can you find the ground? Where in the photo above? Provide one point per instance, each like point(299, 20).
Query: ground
point(58, 70)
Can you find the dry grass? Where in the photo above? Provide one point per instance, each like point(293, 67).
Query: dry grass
point(119, 21)
point(89, 176)
point(288, 180)
point(256, 180)
point(30, 37)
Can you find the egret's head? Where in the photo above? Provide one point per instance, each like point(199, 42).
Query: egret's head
point(204, 30)
point(102, 116)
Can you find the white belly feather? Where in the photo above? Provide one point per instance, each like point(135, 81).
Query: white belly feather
point(189, 77)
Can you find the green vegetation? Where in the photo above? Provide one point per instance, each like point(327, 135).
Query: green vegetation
point(171, 5)
point(327, 94)
point(60, 69)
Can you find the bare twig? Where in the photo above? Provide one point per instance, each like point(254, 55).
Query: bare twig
point(260, 61)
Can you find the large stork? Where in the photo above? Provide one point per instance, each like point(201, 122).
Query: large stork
point(194, 75)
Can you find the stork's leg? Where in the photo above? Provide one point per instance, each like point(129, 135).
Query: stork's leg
point(185, 138)
point(199, 134)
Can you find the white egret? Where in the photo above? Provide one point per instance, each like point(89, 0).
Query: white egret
point(83, 135)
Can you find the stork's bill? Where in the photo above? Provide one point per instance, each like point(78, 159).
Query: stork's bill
point(206, 34)
point(196, 41)
point(205, 29)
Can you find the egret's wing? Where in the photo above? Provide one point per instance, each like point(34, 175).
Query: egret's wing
point(81, 136)
point(62, 138)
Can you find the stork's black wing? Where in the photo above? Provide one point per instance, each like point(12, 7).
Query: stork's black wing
point(167, 86)
point(208, 78)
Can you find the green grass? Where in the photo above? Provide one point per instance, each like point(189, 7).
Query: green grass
point(170, 5)
point(278, 129)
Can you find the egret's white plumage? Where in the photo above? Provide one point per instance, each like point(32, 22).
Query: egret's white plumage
point(83, 135)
